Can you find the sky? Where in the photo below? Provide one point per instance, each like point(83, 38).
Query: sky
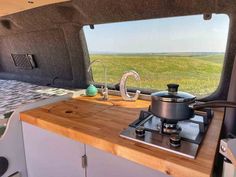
point(175, 34)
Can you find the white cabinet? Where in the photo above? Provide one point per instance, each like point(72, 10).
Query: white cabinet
point(51, 155)
point(103, 164)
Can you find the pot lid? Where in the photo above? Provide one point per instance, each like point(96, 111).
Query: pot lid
point(173, 95)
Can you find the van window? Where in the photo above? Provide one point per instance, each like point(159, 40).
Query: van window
point(185, 50)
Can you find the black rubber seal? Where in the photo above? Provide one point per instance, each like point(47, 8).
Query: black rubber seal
point(3, 165)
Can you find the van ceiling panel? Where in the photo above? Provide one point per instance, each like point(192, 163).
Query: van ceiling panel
point(106, 11)
point(86, 12)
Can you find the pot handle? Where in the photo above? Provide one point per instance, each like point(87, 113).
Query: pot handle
point(214, 104)
point(172, 88)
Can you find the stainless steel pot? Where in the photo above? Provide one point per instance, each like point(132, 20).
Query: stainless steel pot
point(174, 106)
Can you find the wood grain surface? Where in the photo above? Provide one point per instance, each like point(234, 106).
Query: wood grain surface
point(11, 7)
point(98, 123)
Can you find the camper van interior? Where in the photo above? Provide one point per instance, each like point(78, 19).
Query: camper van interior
point(114, 88)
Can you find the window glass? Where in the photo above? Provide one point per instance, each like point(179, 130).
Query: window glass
point(185, 50)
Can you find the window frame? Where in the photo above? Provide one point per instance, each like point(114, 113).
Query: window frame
point(224, 81)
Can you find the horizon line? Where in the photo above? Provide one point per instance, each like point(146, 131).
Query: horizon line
point(151, 53)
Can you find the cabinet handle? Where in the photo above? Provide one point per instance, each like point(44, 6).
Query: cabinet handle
point(84, 161)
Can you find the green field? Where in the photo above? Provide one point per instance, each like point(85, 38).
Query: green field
point(197, 74)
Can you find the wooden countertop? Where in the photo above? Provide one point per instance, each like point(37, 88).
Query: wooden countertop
point(97, 123)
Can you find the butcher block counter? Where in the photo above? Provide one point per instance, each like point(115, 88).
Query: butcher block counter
point(98, 123)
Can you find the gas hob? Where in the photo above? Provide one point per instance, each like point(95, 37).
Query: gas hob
point(183, 138)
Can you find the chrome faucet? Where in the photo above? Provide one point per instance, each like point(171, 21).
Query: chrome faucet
point(104, 89)
point(123, 88)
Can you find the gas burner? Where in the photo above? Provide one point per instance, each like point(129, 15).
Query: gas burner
point(170, 128)
point(183, 137)
point(175, 140)
point(140, 131)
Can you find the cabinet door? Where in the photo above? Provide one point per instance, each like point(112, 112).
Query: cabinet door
point(51, 155)
point(101, 164)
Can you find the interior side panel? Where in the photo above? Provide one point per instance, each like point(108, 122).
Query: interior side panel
point(49, 50)
point(56, 52)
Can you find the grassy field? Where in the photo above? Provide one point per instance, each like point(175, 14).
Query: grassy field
point(197, 74)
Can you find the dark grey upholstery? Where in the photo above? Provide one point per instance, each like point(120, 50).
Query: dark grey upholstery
point(55, 40)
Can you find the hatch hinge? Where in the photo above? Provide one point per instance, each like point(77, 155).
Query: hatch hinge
point(84, 161)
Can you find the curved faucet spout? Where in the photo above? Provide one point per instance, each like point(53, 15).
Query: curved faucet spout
point(104, 90)
point(123, 89)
